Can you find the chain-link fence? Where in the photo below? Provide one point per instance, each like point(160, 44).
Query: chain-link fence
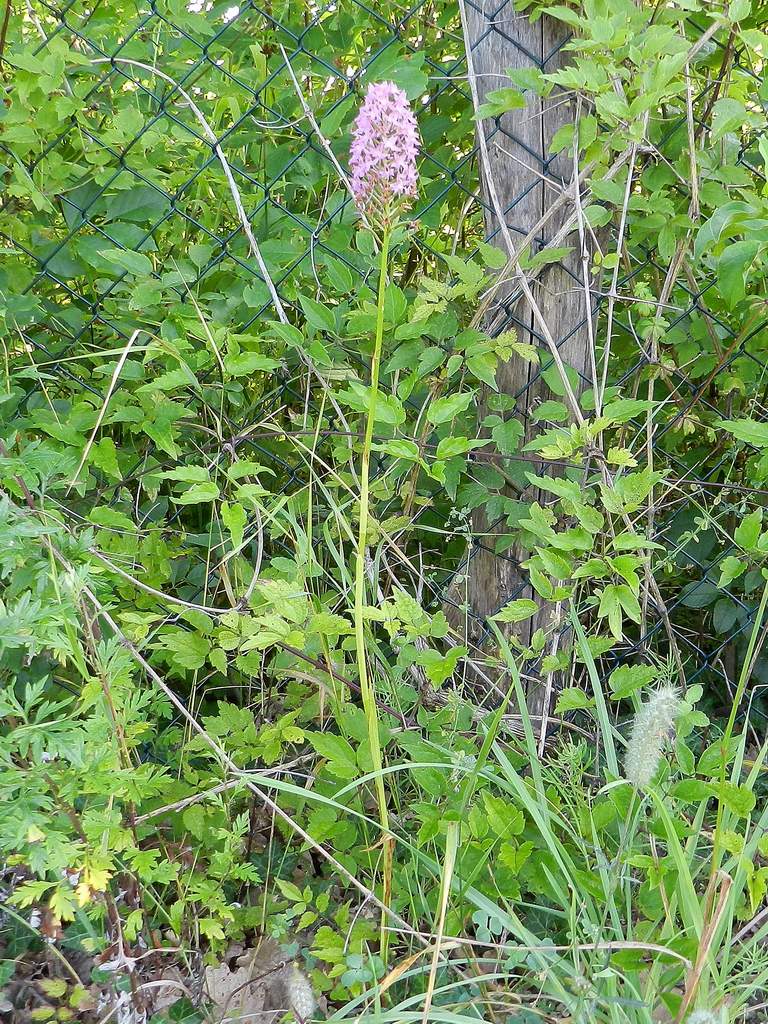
point(119, 210)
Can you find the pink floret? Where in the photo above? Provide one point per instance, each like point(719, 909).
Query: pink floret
point(385, 144)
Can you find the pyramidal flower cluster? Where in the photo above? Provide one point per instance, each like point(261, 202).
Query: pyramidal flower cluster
point(653, 725)
point(382, 157)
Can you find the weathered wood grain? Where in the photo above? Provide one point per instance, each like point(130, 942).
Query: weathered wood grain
point(527, 179)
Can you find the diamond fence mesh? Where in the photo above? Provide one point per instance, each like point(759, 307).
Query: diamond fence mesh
point(118, 216)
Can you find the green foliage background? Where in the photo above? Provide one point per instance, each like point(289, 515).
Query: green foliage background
point(180, 497)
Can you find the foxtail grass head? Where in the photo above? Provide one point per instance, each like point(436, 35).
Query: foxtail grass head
point(653, 726)
point(385, 144)
point(301, 997)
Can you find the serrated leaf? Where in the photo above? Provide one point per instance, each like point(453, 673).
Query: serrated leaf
point(249, 362)
point(337, 751)
point(750, 431)
point(572, 698)
point(516, 611)
point(197, 493)
point(626, 679)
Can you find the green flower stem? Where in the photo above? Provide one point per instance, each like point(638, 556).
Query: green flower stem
point(366, 689)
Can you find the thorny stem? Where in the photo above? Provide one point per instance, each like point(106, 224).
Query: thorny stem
point(366, 689)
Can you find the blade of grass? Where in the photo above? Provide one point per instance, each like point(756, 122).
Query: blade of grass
point(604, 721)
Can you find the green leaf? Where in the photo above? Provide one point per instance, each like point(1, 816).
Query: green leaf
point(692, 791)
point(234, 517)
point(751, 431)
point(103, 455)
point(747, 533)
point(732, 268)
point(610, 608)
point(621, 410)
point(504, 818)
point(442, 410)
point(404, 70)
point(134, 262)
point(290, 890)
point(246, 363)
point(730, 569)
point(450, 447)
point(112, 519)
point(626, 679)
point(193, 819)
point(483, 366)
point(198, 493)
point(189, 650)
point(337, 751)
point(500, 101)
point(318, 315)
point(439, 667)
point(517, 610)
point(740, 800)
point(399, 448)
point(507, 436)
point(728, 115)
point(556, 565)
point(572, 698)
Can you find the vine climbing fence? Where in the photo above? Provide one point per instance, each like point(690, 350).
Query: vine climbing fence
point(174, 179)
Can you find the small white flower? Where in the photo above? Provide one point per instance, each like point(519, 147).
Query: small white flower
point(653, 725)
point(704, 1017)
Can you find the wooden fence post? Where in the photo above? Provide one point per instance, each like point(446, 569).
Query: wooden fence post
point(527, 180)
